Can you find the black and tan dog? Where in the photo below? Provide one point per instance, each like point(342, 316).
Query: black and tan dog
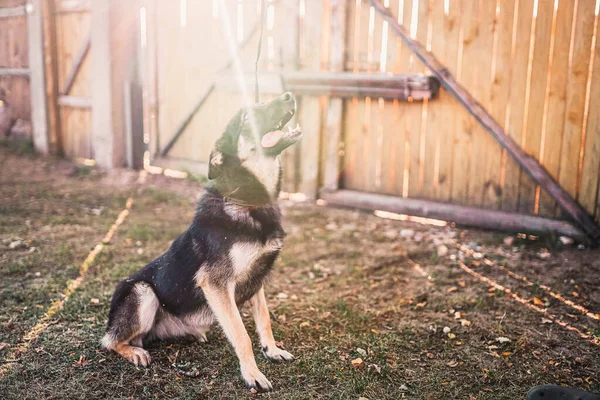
point(221, 261)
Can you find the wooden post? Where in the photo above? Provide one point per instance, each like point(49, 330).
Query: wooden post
point(114, 52)
point(528, 163)
point(39, 111)
point(51, 60)
point(333, 124)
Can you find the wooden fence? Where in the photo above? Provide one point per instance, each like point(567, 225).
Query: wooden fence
point(533, 64)
point(530, 64)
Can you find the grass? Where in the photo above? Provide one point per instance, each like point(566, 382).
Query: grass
point(338, 294)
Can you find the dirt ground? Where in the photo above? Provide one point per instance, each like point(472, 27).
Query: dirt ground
point(371, 307)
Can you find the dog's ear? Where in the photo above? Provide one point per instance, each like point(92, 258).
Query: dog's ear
point(215, 164)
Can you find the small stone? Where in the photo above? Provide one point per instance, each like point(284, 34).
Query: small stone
point(407, 233)
point(446, 329)
point(331, 226)
point(473, 246)
point(442, 250)
point(282, 295)
point(502, 339)
point(544, 255)
point(509, 240)
point(311, 275)
point(15, 245)
point(391, 234)
point(581, 247)
point(566, 241)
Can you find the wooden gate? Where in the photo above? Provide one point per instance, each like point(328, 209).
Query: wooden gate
point(73, 91)
point(533, 65)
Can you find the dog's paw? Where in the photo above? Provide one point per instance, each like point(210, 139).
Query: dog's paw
point(139, 356)
point(277, 355)
point(254, 379)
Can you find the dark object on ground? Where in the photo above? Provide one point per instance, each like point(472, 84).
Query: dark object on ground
point(552, 392)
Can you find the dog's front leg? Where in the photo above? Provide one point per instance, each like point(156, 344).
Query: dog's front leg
point(260, 312)
point(222, 303)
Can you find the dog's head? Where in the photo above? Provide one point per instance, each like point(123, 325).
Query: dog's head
point(244, 163)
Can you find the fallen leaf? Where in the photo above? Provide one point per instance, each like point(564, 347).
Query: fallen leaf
point(419, 305)
point(177, 378)
point(452, 289)
point(430, 356)
point(575, 294)
point(502, 339)
point(537, 301)
point(358, 363)
point(458, 343)
point(506, 353)
point(375, 367)
point(452, 364)
point(457, 315)
point(461, 283)
point(546, 321)
point(375, 331)
point(362, 352)
point(465, 322)
point(304, 324)
point(451, 335)
point(94, 301)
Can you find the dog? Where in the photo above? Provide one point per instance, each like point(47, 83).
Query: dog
point(222, 260)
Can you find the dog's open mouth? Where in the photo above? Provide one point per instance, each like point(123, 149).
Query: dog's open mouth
point(284, 137)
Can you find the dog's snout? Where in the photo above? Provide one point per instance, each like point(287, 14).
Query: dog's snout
point(287, 97)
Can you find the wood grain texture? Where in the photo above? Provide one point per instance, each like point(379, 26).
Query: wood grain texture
point(518, 106)
point(575, 101)
point(441, 117)
point(590, 173)
point(567, 203)
point(558, 81)
point(532, 132)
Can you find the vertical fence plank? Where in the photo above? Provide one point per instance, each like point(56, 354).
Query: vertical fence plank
point(590, 173)
point(310, 34)
point(484, 174)
point(351, 126)
point(414, 110)
point(532, 133)
point(517, 103)
point(400, 144)
point(389, 115)
point(440, 115)
point(552, 140)
point(501, 80)
point(464, 129)
point(372, 141)
point(334, 113)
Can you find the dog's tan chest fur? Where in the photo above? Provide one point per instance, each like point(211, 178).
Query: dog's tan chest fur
point(244, 255)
